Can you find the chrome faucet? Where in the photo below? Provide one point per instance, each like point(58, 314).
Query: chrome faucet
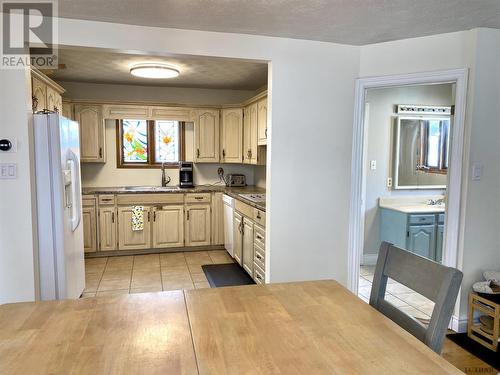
point(164, 178)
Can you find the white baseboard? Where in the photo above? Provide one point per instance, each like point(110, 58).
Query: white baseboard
point(458, 325)
point(369, 259)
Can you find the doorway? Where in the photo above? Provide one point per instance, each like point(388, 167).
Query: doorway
point(369, 200)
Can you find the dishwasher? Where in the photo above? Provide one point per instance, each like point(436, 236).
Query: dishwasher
point(228, 223)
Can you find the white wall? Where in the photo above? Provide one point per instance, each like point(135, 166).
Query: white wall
point(107, 174)
point(380, 147)
point(17, 244)
point(481, 249)
point(171, 95)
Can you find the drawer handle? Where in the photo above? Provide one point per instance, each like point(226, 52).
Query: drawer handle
point(258, 257)
point(198, 198)
point(258, 277)
point(259, 238)
point(258, 215)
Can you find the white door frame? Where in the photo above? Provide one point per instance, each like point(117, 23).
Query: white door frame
point(358, 168)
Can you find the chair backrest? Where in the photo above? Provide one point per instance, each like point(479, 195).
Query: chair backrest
point(438, 283)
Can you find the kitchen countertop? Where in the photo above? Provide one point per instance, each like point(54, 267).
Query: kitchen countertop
point(412, 205)
point(231, 191)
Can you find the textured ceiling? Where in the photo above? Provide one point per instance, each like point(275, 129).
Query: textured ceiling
point(85, 65)
point(343, 21)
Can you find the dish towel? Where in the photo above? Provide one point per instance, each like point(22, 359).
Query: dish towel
point(137, 218)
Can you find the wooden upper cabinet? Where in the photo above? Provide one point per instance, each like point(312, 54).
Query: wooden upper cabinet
point(206, 136)
point(232, 135)
point(250, 134)
point(39, 94)
point(67, 110)
point(168, 226)
point(54, 100)
point(262, 122)
point(89, 117)
point(51, 98)
point(58, 103)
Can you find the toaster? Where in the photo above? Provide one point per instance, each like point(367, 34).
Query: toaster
point(235, 180)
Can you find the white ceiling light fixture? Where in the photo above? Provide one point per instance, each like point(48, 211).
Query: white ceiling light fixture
point(154, 70)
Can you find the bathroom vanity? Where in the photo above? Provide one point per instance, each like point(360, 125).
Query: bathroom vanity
point(413, 225)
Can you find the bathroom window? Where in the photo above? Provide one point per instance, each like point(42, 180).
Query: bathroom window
point(434, 145)
point(149, 143)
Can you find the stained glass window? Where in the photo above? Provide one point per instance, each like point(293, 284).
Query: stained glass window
point(135, 141)
point(166, 141)
point(149, 143)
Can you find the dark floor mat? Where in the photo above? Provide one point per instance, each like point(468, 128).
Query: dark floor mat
point(490, 357)
point(230, 274)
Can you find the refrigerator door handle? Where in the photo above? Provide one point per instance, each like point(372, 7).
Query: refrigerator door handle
point(76, 207)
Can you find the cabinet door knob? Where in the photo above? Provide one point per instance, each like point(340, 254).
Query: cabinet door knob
point(100, 152)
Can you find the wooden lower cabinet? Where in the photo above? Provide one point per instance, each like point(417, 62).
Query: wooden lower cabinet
point(198, 225)
point(247, 242)
point(217, 219)
point(107, 228)
point(237, 237)
point(89, 221)
point(168, 226)
point(129, 239)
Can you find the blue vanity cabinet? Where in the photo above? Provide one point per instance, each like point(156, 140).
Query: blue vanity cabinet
point(440, 238)
point(418, 233)
point(422, 240)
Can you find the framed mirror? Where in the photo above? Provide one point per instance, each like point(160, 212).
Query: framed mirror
point(421, 152)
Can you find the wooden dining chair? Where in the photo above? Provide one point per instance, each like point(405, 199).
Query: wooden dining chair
point(438, 283)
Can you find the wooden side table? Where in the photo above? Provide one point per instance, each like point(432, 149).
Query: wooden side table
point(474, 331)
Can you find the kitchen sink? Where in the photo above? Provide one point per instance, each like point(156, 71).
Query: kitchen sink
point(150, 188)
point(139, 188)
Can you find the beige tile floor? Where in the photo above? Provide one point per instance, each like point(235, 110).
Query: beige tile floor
point(149, 273)
point(399, 295)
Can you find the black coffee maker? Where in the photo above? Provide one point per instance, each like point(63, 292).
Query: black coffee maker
point(185, 174)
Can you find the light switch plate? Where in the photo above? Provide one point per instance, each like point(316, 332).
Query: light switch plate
point(477, 171)
point(373, 165)
point(8, 171)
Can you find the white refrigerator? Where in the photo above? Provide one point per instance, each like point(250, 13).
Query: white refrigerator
point(59, 207)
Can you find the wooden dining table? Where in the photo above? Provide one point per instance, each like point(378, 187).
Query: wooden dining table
point(315, 327)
